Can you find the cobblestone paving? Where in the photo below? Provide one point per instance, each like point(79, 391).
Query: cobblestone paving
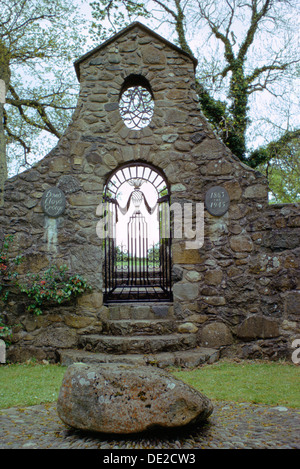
point(232, 426)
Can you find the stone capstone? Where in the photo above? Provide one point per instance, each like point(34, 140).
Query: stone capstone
point(116, 398)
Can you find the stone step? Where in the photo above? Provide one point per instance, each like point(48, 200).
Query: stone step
point(187, 358)
point(137, 344)
point(160, 310)
point(128, 327)
point(149, 293)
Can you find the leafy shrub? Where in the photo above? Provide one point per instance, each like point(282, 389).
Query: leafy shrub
point(53, 286)
point(7, 266)
point(5, 331)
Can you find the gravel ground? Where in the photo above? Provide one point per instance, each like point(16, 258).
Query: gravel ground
point(232, 426)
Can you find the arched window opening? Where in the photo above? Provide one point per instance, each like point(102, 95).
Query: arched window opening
point(136, 103)
point(137, 252)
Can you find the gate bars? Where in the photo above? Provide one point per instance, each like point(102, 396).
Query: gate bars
point(138, 271)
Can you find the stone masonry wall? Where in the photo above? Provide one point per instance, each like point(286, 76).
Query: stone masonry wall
point(241, 289)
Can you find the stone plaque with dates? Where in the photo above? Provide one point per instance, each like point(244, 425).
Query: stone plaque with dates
point(217, 201)
point(53, 202)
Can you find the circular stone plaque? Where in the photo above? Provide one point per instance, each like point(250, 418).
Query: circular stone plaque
point(68, 184)
point(217, 201)
point(53, 202)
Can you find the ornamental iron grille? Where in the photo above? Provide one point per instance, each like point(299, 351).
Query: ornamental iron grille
point(137, 250)
point(136, 104)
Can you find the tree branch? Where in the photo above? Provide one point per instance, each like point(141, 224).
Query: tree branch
point(229, 54)
point(259, 70)
point(255, 19)
point(168, 10)
point(16, 137)
point(40, 108)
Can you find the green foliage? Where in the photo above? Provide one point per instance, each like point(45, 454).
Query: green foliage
point(53, 286)
point(121, 255)
point(225, 121)
point(280, 162)
point(215, 110)
point(5, 331)
point(39, 41)
point(8, 265)
point(153, 254)
point(284, 184)
point(119, 16)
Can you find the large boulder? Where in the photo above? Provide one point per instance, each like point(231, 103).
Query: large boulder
point(116, 398)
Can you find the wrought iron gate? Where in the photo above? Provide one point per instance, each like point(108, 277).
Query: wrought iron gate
point(137, 270)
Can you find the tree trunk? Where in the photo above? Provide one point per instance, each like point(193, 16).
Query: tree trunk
point(4, 82)
point(239, 109)
point(3, 165)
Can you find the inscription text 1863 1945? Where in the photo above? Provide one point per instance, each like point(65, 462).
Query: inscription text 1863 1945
point(217, 201)
point(53, 202)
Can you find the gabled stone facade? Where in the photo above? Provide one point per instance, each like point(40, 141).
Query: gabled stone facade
point(238, 293)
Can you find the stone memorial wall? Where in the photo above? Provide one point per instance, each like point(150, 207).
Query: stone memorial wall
point(240, 290)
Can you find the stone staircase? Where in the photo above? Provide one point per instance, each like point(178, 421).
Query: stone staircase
point(140, 334)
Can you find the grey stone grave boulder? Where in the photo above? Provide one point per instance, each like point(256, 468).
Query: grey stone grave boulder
point(123, 399)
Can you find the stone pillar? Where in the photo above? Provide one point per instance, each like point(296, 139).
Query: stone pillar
point(2, 351)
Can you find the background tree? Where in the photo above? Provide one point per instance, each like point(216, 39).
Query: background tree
point(38, 40)
point(279, 160)
point(4, 82)
point(245, 50)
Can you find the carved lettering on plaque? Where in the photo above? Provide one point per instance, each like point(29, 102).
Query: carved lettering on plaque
point(53, 202)
point(217, 201)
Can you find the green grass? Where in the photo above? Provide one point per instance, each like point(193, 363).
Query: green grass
point(29, 384)
point(270, 383)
